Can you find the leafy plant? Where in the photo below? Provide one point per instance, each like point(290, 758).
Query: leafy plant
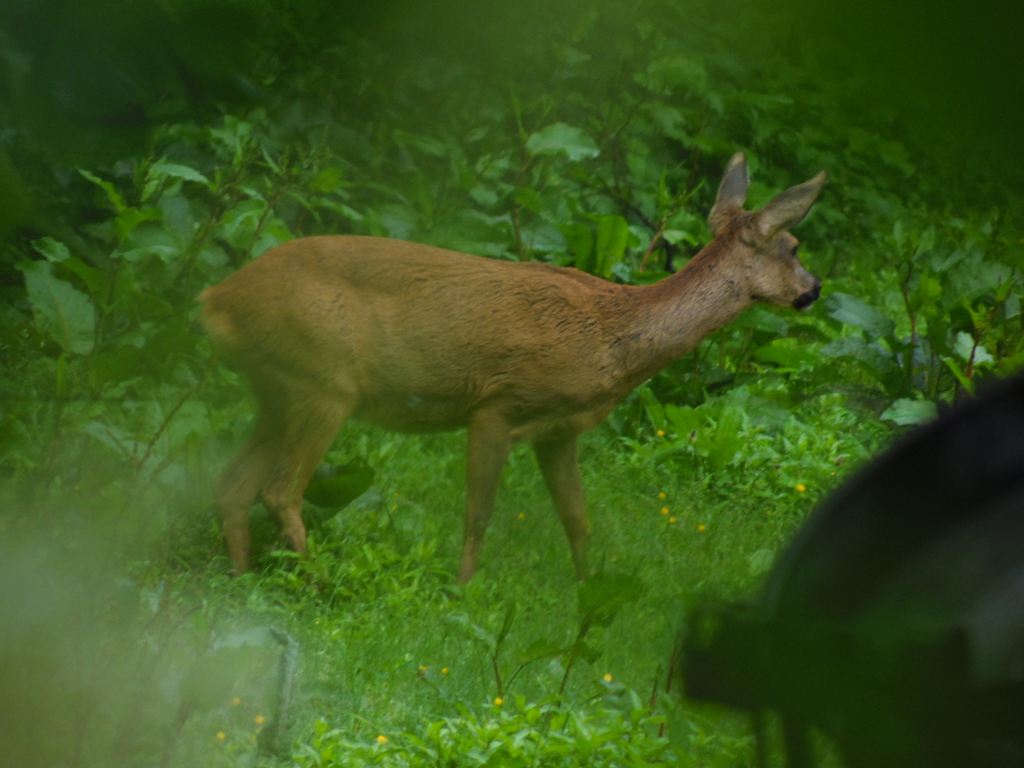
point(596, 141)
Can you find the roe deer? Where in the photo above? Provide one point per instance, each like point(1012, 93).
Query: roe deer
point(419, 339)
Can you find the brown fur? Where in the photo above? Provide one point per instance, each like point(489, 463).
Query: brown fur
point(418, 339)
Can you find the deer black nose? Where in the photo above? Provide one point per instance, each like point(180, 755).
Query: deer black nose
point(804, 300)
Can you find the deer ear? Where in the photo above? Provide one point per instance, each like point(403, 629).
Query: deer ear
point(731, 194)
point(789, 208)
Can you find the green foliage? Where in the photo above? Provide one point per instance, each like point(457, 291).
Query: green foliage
point(62, 312)
point(514, 733)
point(759, 436)
point(597, 141)
point(957, 317)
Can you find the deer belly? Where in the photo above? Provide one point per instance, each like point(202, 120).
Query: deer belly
point(405, 412)
point(560, 425)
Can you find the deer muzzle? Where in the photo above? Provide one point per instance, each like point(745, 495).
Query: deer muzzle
point(804, 300)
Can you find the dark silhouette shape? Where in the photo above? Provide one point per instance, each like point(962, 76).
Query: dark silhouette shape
point(895, 621)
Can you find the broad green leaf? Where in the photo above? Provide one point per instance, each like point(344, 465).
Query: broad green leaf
point(925, 243)
point(772, 412)
point(54, 250)
point(858, 349)
point(1004, 290)
point(655, 410)
point(484, 195)
point(129, 218)
point(335, 487)
point(905, 411)
point(602, 596)
point(343, 210)
point(957, 371)
point(62, 312)
point(726, 442)
point(112, 195)
point(665, 74)
point(899, 235)
point(327, 180)
point(560, 137)
point(975, 277)
point(668, 120)
point(676, 236)
point(853, 311)
point(788, 353)
point(730, 421)
point(762, 319)
point(527, 197)
point(685, 420)
point(612, 233)
point(926, 292)
point(967, 350)
point(94, 279)
point(1011, 307)
point(581, 241)
point(176, 171)
point(979, 316)
point(544, 238)
point(238, 224)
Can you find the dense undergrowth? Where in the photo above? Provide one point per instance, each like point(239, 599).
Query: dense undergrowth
point(599, 145)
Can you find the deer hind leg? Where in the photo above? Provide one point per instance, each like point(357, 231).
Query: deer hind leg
point(239, 484)
point(311, 426)
point(489, 443)
point(559, 463)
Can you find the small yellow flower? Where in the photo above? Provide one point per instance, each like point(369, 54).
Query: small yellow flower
point(671, 519)
point(236, 701)
point(498, 701)
point(422, 668)
point(800, 488)
point(382, 739)
point(701, 528)
point(661, 495)
point(394, 507)
point(259, 719)
point(522, 515)
point(608, 677)
point(661, 433)
point(664, 510)
point(221, 735)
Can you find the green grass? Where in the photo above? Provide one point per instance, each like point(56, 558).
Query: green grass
point(388, 645)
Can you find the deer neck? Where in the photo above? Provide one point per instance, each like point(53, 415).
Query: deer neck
point(672, 317)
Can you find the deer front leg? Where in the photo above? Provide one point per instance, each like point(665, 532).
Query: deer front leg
point(559, 463)
point(489, 443)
